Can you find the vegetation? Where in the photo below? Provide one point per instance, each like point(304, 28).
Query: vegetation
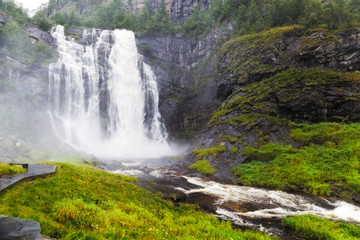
point(257, 97)
point(6, 169)
point(214, 151)
point(83, 203)
point(328, 156)
point(315, 228)
point(256, 15)
point(204, 167)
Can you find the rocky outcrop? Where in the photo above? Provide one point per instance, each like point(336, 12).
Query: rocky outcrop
point(184, 68)
point(19, 229)
point(24, 97)
point(39, 35)
point(255, 57)
point(180, 11)
point(3, 18)
point(270, 79)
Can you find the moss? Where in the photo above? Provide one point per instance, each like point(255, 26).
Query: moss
point(234, 150)
point(229, 139)
point(313, 228)
point(328, 154)
point(251, 119)
point(204, 167)
point(258, 98)
point(206, 152)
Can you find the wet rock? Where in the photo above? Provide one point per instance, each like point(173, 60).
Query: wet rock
point(182, 10)
point(40, 35)
point(175, 61)
point(204, 201)
point(19, 229)
point(356, 198)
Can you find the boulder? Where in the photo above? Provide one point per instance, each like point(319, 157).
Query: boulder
point(40, 35)
point(19, 229)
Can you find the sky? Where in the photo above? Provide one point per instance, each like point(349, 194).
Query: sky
point(31, 5)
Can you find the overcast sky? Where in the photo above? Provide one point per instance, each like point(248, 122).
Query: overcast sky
point(31, 5)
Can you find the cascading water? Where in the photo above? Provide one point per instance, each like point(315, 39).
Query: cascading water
point(104, 98)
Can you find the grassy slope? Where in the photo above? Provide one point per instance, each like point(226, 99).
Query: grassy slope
point(6, 169)
point(328, 156)
point(83, 203)
point(315, 228)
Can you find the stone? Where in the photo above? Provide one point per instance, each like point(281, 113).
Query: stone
point(40, 35)
point(3, 18)
point(19, 229)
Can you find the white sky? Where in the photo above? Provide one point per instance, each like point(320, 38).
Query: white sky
point(31, 5)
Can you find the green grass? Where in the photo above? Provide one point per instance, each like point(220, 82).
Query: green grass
point(206, 152)
point(6, 169)
point(82, 203)
point(204, 167)
point(316, 228)
point(328, 155)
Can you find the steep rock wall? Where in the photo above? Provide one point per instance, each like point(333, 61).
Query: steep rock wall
point(185, 69)
point(23, 100)
point(270, 79)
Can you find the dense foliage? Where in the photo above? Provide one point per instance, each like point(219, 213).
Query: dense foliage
point(14, 38)
point(244, 16)
point(255, 15)
point(83, 203)
point(315, 228)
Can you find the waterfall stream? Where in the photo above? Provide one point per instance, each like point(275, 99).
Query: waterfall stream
point(104, 98)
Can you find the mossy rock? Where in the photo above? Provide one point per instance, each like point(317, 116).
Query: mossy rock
point(301, 95)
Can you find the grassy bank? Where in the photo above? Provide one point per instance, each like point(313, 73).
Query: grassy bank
point(6, 169)
point(315, 228)
point(325, 162)
point(83, 203)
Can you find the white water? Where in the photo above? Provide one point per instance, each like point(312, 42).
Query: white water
point(104, 98)
point(271, 203)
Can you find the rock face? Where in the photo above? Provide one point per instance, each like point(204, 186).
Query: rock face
point(19, 229)
point(253, 58)
point(182, 10)
point(24, 96)
point(184, 68)
point(266, 80)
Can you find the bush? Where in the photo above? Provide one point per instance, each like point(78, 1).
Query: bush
point(204, 167)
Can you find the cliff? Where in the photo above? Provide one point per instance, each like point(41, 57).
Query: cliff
point(275, 85)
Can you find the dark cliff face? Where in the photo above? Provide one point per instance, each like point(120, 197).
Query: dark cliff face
point(268, 81)
point(181, 10)
point(185, 71)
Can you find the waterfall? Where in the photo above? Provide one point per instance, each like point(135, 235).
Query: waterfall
point(103, 98)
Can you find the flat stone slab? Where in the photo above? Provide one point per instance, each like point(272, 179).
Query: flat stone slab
point(34, 171)
point(12, 228)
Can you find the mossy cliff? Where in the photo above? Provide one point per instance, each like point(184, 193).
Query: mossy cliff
point(288, 120)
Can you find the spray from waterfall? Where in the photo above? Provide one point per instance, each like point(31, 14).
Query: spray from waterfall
point(104, 99)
